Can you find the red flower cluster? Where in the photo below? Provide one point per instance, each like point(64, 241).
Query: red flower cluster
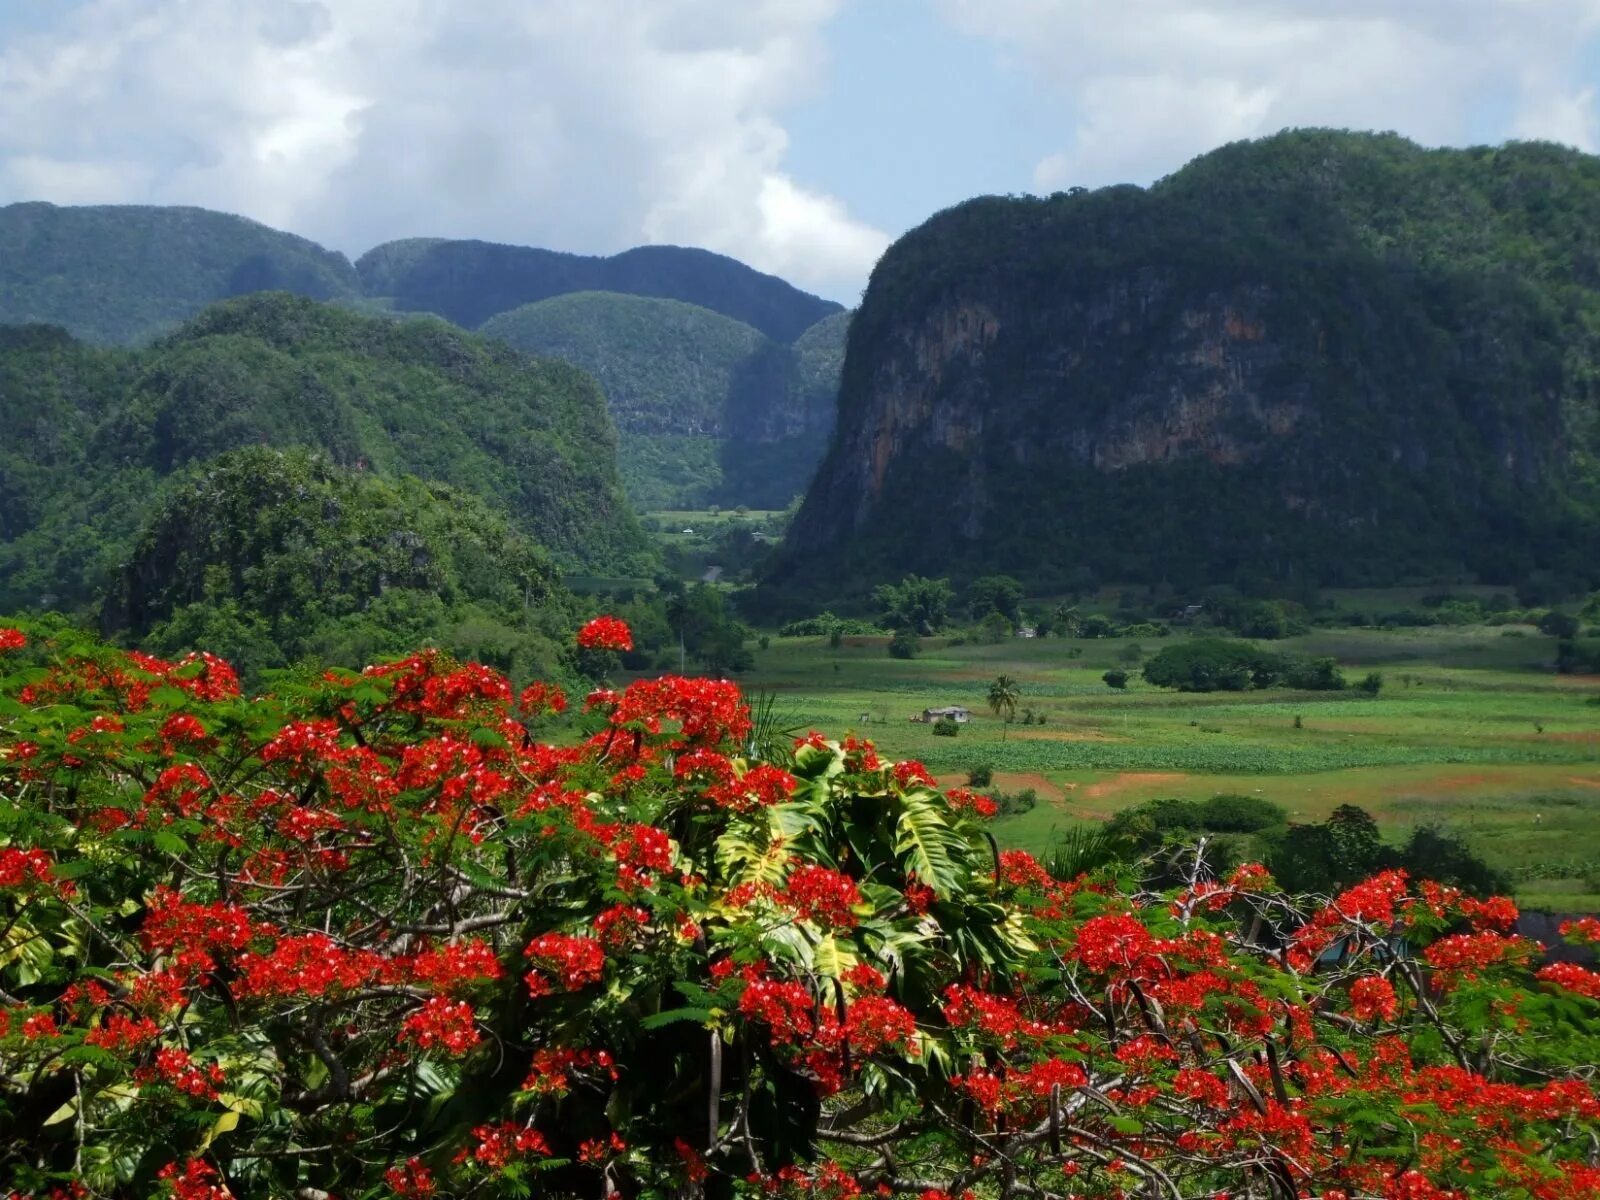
point(784, 1007)
point(574, 960)
point(24, 868)
point(450, 1025)
point(12, 639)
point(499, 1144)
point(1372, 998)
point(822, 896)
point(606, 633)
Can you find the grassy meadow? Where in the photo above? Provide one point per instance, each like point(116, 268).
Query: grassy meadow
point(1472, 731)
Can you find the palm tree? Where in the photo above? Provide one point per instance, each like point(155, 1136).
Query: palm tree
point(1003, 697)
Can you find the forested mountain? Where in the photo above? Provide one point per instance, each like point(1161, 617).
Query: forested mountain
point(119, 274)
point(468, 282)
point(709, 409)
point(690, 344)
point(94, 433)
point(1322, 355)
point(264, 556)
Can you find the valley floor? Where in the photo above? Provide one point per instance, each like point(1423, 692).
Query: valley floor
point(1471, 731)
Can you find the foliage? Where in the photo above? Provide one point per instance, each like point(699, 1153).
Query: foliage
point(702, 624)
point(904, 644)
point(278, 555)
point(995, 594)
point(915, 603)
point(825, 623)
point(1217, 665)
point(946, 727)
point(1115, 678)
point(1003, 697)
point(366, 935)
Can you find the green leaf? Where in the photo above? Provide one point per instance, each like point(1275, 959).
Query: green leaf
point(671, 1016)
point(927, 845)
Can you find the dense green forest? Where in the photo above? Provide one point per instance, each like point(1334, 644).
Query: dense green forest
point(268, 556)
point(96, 435)
point(1322, 356)
point(710, 410)
point(119, 274)
point(687, 345)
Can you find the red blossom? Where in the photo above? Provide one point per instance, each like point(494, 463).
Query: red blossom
point(451, 1025)
point(606, 633)
point(823, 896)
point(12, 639)
point(195, 1180)
point(499, 1144)
point(575, 960)
point(411, 1180)
point(1372, 998)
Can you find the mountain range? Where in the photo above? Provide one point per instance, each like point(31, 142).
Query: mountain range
point(726, 412)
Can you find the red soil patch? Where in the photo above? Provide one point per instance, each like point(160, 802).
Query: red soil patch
point(1129, 780)
point(1016, 781)
point(1582, 782)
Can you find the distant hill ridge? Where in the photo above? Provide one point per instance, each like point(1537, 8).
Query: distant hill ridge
point(121, 274)
point(95, 434)
point(469, 282)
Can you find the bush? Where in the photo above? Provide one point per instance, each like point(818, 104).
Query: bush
point(1115, 678)
point(375, 934)
point(980, 776)
point(1558, 625)
point(904, 644)
point(1232, 813)
point(825, 624)
point(1012, 804)
point(945, 727)
point(1371, 683)
point(1213, 665)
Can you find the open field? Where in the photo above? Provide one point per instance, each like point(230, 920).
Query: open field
point(1471, 731)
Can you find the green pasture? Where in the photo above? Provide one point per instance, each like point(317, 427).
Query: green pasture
point(1472, 730)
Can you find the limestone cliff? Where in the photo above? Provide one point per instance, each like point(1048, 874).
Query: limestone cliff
point(1321, 354)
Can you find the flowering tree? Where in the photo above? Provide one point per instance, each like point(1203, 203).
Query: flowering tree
point(372, 936)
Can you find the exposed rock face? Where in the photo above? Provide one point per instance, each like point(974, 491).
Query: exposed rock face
point(1266, 363)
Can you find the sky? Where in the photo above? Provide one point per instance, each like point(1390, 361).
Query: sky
point(801, 136)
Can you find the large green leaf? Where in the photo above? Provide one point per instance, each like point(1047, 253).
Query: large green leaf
point(928, 846)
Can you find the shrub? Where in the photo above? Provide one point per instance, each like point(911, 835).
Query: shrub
point(945, 727)
point(1371, 683)
point(1011, 804)
point(980, 775)
point(381, 933)
point(1558, 625)
point(1115, 678)
point(904, 644)
point(1212, 665)
point(1232, 813)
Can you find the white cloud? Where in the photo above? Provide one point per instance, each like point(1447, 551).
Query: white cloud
point(580, 124)
point(1152, 84)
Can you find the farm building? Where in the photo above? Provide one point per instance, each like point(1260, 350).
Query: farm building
point(952, 713)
